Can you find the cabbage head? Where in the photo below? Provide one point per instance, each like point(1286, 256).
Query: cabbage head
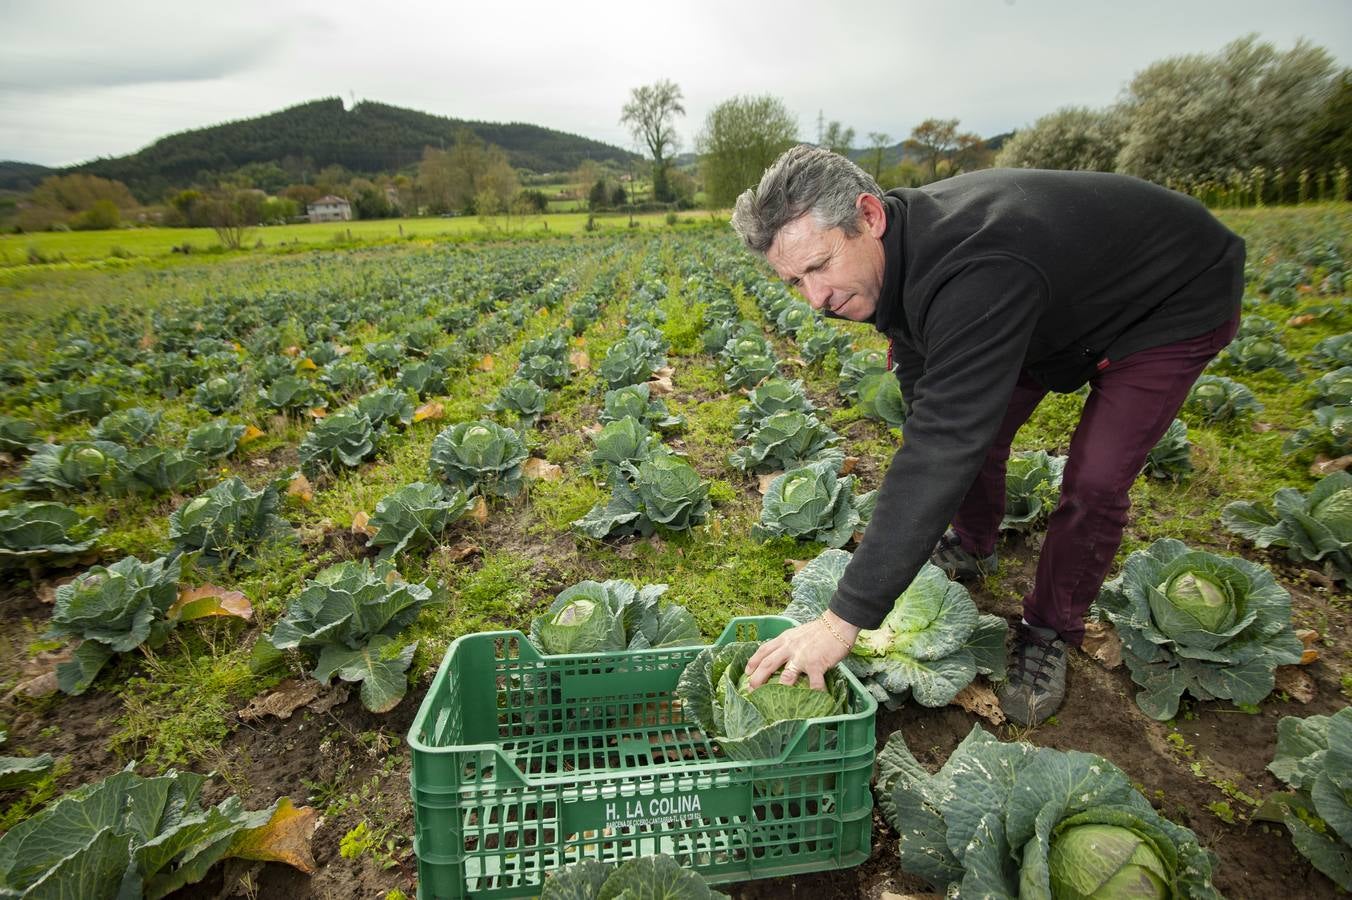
point(479, 457)
point(772, 396)
point(658, 876)
point(1010, 820)
point(1194, 622)
point(1032, 487)
point(880, 398)
point(1215, 399)
point(31, 531)
point(786, 440)
point(759, 724)
point(1333, 388)
point(812, 503)
point(930, 646)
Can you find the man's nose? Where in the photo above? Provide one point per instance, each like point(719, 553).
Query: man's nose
point(814, 291)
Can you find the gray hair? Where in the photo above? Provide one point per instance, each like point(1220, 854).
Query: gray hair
point(804, 179)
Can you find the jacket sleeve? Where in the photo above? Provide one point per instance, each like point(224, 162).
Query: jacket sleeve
point(974, 332)
point(908, 364)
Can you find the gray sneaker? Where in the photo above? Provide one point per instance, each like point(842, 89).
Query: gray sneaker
point(960, 564)
point(1036, 682)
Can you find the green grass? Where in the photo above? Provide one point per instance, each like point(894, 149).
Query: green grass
point(132, 247)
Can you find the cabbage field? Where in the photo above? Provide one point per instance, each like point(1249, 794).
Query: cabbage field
point(247, 504)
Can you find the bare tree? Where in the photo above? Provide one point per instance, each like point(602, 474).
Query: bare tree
point(650, 115)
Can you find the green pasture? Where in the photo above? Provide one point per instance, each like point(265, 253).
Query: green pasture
point(114, 249)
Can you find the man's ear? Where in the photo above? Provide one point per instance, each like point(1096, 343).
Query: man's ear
point(872, 215)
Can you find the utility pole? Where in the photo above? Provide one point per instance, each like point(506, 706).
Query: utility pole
point(820, 130)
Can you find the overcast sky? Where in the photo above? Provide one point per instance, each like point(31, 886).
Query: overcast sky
point(86, 79)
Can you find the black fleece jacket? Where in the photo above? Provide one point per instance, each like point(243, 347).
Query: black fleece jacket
point(1002, 270)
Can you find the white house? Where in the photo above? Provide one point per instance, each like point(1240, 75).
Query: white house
point(330, 209)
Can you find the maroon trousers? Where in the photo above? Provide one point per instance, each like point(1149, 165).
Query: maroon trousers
point(1131, 404)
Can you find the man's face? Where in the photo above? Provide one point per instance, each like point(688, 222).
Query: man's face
point(834, 272)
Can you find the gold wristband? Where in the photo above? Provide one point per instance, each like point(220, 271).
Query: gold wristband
point(835, 634)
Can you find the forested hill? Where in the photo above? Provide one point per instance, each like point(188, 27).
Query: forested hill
point(21, 176)
point(370, 138)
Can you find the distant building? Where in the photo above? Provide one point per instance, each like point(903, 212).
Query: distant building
point(330, 209)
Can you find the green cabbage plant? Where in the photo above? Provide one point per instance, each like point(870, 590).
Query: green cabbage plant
point(812, 503)
point(622, 444)
point(545, 370)
point(18, 435)
point(88, 403)
point(931, 645)
point(794, 316)
point(1194, 622)
point(384, 356)
point(415, 515)
point(1254, 325)
point(110, 610)
point(128, 836)
point(597, 617)
point(128, 427)
point(220, 393)
point(156, 470)
point(1333, 388)
point(228, 522)
point(479, 457)
point(1314, 756)
point(426, 379)
point(786, 440)
point(1171, 458)
point(749, 371)
point(70, 468)
point(1215, 399)
point(630, 360)
point(524, 399)
point(290, 394)
point(215, 439)
point(818, 339)
point(348, 618)
point(385, 407)
point(1255, 354)
point(1032, 486)
point(747, 724)
point(1331, 433)
point(659, 877)
point(35, 531)
point(856, 366)
point(880, 398)
point(637, 402)
point(1314, 527)
point(1333, 352)
point(771, 396)
point(342, 439)
point(347, 378)
point(665, 492)
point(1010, 820)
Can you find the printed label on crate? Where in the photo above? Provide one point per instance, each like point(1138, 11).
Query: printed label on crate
point(656, 810)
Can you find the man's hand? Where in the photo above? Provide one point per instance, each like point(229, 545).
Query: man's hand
point(808, 649)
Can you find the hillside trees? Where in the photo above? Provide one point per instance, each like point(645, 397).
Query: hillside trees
point(650, 114)
point(741, 138)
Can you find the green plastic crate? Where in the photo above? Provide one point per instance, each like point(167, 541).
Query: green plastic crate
point(525, 763)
